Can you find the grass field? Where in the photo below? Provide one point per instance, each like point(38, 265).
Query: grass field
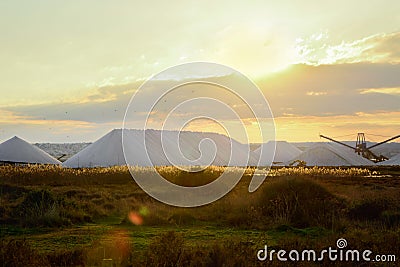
point(52, 216)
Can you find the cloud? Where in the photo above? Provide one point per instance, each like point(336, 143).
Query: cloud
point(312, 93)
point(111, 92)
point(383, 48)
point(41, 129)
point(317, 49)
point(304, 99)
point(302, 90)
point(389, 91)
point(330, 90)
point(11, 118)
point(108, 105)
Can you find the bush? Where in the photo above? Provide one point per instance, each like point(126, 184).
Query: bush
point(391, 218)
point(169, 249)
point(165, 250)
point(39, 208)
point(43, 208)
point(368, 209)
point(181, 217)
point(378, 241)
point(66, 258)
point(378, 209)
point(299, 202)
point(232, 253)
point(19, 253)
point(194, 257)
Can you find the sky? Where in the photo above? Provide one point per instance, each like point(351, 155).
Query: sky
point(69, 68)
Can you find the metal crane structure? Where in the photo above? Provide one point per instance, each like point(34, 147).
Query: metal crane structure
point(361, 147)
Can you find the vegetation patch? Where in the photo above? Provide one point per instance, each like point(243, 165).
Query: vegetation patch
point(52, 216)
point(299, 202)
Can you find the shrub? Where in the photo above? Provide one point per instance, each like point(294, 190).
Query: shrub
point(43, 208)
point(165, 250)
point(195, 257)
point(368, 209)
point(377, 240)
point(39, 208)
point(168, 249)
point(299, 202)
point(232, 253)
point(378, 209)
point(181, 217)
point(66, 258)
point(12, 192)
point(391, 218)
point(19, 253)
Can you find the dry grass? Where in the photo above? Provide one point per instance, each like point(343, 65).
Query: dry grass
point(293, 204)
point(56, 175)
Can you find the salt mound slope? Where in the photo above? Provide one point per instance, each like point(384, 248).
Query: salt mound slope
point(328, 154)
point(388, 150)
point(284, 152)
point(108, 151)
point(16, 150)
point(392, 161)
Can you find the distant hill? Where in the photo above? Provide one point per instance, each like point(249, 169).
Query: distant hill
point(57, 150)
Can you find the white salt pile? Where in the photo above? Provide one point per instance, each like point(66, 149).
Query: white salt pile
point(162, 148)
point(284, 152)
point(328, 154)
point(16, 150)
point(388, 150)
point(392, 161)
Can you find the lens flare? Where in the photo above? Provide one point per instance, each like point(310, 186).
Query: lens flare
point(135, 218)
point(144, 211)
